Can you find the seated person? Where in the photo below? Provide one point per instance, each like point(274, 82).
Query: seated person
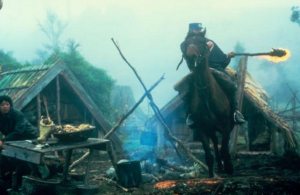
point(15, 127)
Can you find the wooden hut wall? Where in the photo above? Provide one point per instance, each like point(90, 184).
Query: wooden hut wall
point(72, 109)
point(257, 126)
point(177, 123)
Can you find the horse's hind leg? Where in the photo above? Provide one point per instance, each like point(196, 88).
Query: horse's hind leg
point(214, 139)
point(228, 167)
point(208, 156)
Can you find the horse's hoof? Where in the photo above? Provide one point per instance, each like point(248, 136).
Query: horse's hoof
point(220, 169)
point(228, 168)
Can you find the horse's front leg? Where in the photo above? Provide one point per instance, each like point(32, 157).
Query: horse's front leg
point(228, 167)
point(208, 156)
point(214, 139)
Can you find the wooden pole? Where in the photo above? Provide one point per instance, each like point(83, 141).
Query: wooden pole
point(242, 69)
point(58, 100)
point(39, 112)
point(116, 126)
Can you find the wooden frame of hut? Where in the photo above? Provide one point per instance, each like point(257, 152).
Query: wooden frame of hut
point(67, 101)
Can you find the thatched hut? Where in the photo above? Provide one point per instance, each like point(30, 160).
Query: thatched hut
point(265, 129)
point(68, 103)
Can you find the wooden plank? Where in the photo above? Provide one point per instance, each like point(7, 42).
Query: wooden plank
point(23, 71)
point(9, 88)
point(22, 154)
point(57, 147)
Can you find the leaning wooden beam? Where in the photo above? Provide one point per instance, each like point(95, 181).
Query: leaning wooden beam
point(133, 108)
point(152, 104)
point(242, 70)
point(39, 113)
point(23, 71)
point(77, 162)
point(161, 119)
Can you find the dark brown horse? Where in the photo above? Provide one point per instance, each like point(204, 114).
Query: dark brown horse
point(209, 105)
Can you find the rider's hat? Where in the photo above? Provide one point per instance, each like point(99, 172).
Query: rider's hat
point(195, 26)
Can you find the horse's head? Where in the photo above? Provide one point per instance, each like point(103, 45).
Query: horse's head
point(196, 49)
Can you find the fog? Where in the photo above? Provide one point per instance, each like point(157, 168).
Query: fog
point(149, 34)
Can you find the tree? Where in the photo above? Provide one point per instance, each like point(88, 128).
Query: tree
point(238, 48)
point(53, 28)
point(95, 81)
point(8, 62)
point(295, 17)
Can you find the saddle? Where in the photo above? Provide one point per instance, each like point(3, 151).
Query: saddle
point(225, 82)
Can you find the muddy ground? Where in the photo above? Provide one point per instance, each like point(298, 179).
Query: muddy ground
point(255, 174)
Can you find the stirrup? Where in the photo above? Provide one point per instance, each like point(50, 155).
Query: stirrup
point(190, 122)
point(238, 118)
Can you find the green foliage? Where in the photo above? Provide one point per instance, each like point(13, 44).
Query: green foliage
point(8, 62)
point(295, 17)
point(94, 80)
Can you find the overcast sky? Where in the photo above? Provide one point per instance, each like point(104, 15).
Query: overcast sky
point(149, 33)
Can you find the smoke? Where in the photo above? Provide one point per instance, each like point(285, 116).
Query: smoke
point(277, 80)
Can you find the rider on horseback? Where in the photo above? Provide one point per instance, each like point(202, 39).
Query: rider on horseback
point(217, 60)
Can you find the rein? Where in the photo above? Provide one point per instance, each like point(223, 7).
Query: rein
point(199, 59)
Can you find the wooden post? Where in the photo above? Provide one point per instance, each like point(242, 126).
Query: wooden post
point(84, 115)
point(58, 100)
point(160, 139)
point(39, 112)
point(242, 70)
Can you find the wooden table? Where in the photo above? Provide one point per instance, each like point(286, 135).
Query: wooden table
point(26, 151)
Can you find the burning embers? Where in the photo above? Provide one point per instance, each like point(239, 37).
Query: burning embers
point(171, 183)
point(277, 55)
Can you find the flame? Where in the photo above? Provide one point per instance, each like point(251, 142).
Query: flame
point(172, 183)
point(277, 59)
point(165, 184)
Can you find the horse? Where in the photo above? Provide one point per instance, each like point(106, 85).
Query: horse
point(209, 105)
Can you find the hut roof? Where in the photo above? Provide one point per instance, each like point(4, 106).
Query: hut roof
point(257, 97)
point(24, 84)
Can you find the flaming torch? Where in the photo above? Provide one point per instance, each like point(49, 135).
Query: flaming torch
point(275, 55)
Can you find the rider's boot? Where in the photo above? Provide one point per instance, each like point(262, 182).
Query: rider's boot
point(190, 121)
point(237, 116)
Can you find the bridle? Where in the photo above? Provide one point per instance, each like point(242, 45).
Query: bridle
point(201, 56)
